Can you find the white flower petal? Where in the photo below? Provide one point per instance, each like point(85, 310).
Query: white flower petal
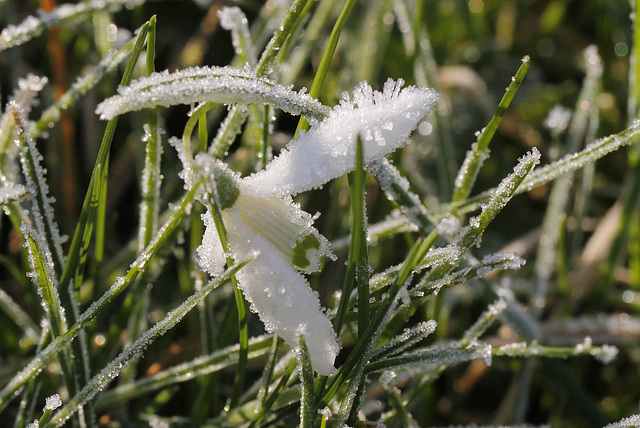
point(285, 226)
point(384, 121)
point(211, 256)
point(281, 296)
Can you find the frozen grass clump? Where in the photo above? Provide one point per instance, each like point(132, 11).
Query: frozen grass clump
point(309, 232)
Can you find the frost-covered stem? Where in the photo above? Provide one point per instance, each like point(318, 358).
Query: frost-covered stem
point(85, 83)
point(397, 190)
point(356, 249)
point(42, 359)
point(151, 177)
point(112, 370)
point(478, 153)
point(482, 323)
point(327, 57)
point(238, 114)
point(307, 405)
point(243, 339)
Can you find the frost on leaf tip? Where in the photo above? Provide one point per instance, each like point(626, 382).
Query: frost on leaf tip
point(384, 120)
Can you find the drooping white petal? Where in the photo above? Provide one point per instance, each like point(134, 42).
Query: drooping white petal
point(384, 121)
point(280, 295)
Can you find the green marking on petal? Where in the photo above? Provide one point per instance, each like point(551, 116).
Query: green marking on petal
point(299, 256)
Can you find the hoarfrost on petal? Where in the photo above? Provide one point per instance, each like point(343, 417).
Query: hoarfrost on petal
point(383, 120)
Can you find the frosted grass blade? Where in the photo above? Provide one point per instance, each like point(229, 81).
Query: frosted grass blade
point(307, 404)
point(36, 183)
point(269, 402)
point(238, 114)
point(62, 15)
point(448, 356)
point(548, 173)
point(222, 85)
point(605, 353)
point(396, 188)
point(481, 325)
point(478, 153)
point(42, 358)
point(112, 370)
point(83, 85)
point(12, 192)
point(234, 20)
point(327, 57)
point(19, 316)
point(630, 422)
point(198, 367)
point(409, 337)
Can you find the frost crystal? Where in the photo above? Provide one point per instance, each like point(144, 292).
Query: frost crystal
point(630, 422)
point(558, 119)
point(383, 120)
point(52, 402)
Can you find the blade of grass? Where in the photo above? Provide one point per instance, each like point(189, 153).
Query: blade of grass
point(38, 362)
point(243, 339)
point(478, 153)
point(238, 114)
point(307, 404)
point(327, 57)
point(112, 370)
point(274, 395)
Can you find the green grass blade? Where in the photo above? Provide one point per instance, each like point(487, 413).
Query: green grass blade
point(478, 153)
point(269, 402)
point(239, 381)
point(307, 404)
point(327, 57)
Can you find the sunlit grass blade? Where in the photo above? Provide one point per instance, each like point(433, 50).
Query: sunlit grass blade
point(234, 20)
point(63, 15)
point(604, 353)
point(481, 325)
point(41, 359)
point(357, 261)
point(478, 153)
point(112, 370)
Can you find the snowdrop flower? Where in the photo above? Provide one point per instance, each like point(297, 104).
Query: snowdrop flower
point(260, 215)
